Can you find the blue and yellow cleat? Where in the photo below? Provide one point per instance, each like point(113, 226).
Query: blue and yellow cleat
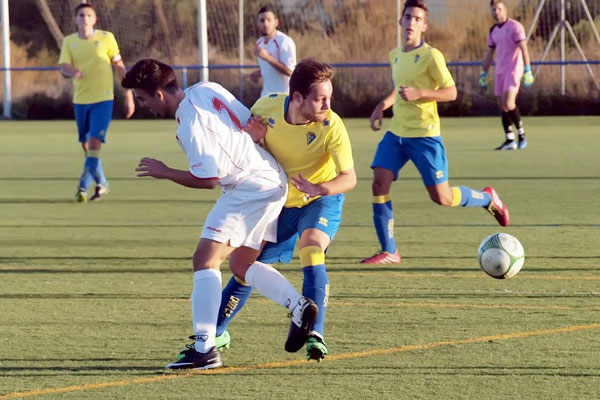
point(316, 348)
point(223, 341)
point(522, 141)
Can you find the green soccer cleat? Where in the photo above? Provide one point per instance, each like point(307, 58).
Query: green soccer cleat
point(81, 196)
point(223, 341)
point(316, 348)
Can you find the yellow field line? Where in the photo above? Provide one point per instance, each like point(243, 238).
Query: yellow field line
point(284, 364)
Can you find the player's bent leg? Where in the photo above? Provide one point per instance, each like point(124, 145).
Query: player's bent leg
point(383, 218)
point(234, 297)
point(441, 194)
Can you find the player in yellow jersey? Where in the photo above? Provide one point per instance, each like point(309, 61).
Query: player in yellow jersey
point(310, 141)
point(421, 79)
point(87, 57)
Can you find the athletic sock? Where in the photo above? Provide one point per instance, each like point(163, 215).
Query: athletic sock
point(507, 125)
point(383, 219)
point(99, 177)
point(234, 297)
point(316, 287)
point(467, 197)
point(515, 115)
point(89, 171)
point(206, 298)
point(270, 283)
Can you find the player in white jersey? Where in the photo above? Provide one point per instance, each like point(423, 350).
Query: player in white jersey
point(275, 52)
point(254, 187)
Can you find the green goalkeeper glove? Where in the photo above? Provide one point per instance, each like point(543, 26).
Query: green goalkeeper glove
point(482, 79)
point(527, 76)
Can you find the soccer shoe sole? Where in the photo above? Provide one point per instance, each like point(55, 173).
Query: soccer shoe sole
point(316, 351)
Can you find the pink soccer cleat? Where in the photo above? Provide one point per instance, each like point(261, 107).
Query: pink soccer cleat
point(496, 207)
point(383, 257)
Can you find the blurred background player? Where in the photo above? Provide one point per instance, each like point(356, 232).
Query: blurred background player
point(507, 36)
point(310, 141)
point(87, 57)
point(275, 52)
point(254, 190)
point(414, 133)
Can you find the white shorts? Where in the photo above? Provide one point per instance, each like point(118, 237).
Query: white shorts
point(245, 218)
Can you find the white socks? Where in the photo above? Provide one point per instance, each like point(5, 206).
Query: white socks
point(206, 300)
point(271, 284)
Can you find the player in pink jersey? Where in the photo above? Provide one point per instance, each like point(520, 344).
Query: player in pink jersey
point(507, 36)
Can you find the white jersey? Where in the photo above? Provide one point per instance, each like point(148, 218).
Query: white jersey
point(211, 134)
point(283, 48)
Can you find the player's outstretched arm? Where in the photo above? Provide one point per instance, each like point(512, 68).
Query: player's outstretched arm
point(159, 170)
point(129, 104)
point(377, 114)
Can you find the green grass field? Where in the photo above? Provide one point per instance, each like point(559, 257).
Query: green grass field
point(94, 297)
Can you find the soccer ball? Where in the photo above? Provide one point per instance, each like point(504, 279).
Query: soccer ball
point(501, 255)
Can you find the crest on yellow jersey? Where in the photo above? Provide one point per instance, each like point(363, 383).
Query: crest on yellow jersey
point(310, 136)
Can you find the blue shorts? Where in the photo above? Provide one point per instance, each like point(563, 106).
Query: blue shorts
point(93, 120)
point(427, 153)
point(324, 214)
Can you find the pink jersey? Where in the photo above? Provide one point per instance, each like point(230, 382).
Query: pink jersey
point(505, 39)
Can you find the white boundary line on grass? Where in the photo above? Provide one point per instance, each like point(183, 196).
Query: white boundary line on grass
point(284, 364)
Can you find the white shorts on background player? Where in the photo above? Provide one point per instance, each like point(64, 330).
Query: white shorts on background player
point(282, 48)
point(254, 185)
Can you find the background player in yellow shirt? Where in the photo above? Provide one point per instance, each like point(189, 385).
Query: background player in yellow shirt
point(310, 141)
point(87, 57)
point(421, 79)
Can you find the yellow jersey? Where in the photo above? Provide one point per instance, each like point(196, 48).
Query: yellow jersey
point(94, 57)
point(318, 150)
point(421, 68)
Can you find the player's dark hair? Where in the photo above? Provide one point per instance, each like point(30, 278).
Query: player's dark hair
point(307, 72)
point(494, 2)
point(83, 5)
point(267, 8)
point(150, 75)
point(415, 3)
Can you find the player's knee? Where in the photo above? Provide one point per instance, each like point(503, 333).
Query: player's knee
point(201, 261)
point(380, 187)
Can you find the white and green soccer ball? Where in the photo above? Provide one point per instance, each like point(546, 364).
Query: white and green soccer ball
point(501, 255)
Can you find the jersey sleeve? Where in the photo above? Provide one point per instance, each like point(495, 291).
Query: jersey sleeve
point(490, 39)
point(65, 53)
point(438, 70)
point(113, 48)
point(338, 146)
point(519, 33)
point(196, 144)
point(288, 53)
